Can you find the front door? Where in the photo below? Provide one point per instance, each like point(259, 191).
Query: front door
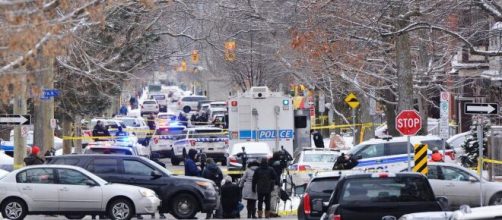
point(459, 188)
point(39, 185)
point(140, 174)
point(75, 194)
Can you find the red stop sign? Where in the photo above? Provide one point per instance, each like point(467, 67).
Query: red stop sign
point(408, 122)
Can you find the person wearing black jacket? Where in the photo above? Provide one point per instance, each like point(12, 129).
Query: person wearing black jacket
point(264, 180)
point(279, 162)
point(212, 172)
point(33, 158)
point(100, 130)
point(230, 198)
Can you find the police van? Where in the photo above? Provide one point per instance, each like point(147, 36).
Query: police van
point(164, 138)
point(262, 115)
point(210, 140)
point(390, 154)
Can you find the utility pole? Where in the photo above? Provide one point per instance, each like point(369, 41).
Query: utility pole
point(19, 140)
point(44, 111)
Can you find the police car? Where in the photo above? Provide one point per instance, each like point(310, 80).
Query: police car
point(210, 140)
point(163, 139)
point(390, 154)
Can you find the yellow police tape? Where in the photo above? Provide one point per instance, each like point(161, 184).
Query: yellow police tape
point(333, 126)
point(287, 212)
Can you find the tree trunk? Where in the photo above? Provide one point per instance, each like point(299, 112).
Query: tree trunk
point(77, 132)
point(67, 132)
point(19, 140)
point(423, 66)
point(364, 117)
point(404, 73)
point(44, 111)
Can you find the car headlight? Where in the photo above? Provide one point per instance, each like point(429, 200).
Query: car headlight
point(204, 184)
point(147, 193)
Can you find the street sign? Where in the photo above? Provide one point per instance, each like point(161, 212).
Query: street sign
point(444, 110)
point(408, 122)
point(421, 159)
point(15, 119)
point(53, 123)
point(481, 108)
point(48, 93)
point(352, 100)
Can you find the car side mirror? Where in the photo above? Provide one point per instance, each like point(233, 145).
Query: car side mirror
point(473, 179)
point(300, 190)
point(90, 183)
point(443, 202)
point(156, 174)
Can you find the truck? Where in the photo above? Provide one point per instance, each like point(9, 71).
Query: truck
point(261, 115)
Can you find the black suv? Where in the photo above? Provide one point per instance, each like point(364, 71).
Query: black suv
point(181, 196)
point(318, 191)
point(382, 196)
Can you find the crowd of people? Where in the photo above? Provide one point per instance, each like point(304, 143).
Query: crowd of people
point(259, 185)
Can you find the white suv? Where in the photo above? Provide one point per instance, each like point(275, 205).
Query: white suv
point(212, 141)
point(391, 154)
point(191, 101)
point(149, 106)
point(163, 139)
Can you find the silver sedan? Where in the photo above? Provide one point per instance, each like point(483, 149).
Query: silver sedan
point(73, 191)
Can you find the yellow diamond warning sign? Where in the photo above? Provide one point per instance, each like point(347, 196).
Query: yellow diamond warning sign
point(352, 100)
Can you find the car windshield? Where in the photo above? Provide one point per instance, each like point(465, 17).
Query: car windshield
point(108, 151)
point(166, 116)
point(219, 105)
point(435, 144)
point(395, 189)
point(129, 122)
point(149, 102)
point(323, 185)
point(158, 97)
point(219, 112)
point(252, 149)
point(208, 134)
point(193, 98)
point(321, 158)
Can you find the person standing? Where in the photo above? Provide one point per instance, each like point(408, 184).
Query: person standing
point(264, 179)
point(123, 110)
point(279, 162)
point(246, 183)
point(230, 198)
point(318, 139)
point(100, 130)
point(33, 158)
point(213, 172)
point(191, 168)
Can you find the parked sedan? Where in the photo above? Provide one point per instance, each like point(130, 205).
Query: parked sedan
point(249, 150)
point(317, 159)
point(73, 191)
point(461, 185)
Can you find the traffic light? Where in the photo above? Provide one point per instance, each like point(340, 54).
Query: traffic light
point(230, 50)
point(195, 56)
point(183, 66)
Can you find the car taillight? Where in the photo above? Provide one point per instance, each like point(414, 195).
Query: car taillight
point(192, 142)
point(337, 217)
point(232, 159)
point(304, 167)
point(451, 154)
point(155, 140)
point(306, 204)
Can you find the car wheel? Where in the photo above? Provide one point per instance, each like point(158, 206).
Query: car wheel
point(74, 216)
point(14, 209)
point(184, 206)
point(120, 209)
point(496, 199)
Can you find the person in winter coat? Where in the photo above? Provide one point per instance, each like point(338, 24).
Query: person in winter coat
point(246, 183)
point(100, 130)
point(230, 198)
point(123, 110)
point(436, 156)
point(318, 139)
point(279, 162)
point(191, 168)
point(212, 172)
point(33, 158)
point(264, 179)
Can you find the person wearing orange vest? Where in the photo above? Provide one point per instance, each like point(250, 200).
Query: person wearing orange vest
point(436, 156)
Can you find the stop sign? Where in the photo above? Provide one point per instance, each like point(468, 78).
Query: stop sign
point(408, 122)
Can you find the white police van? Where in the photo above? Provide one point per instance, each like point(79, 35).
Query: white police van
point(390, 154)
point(212, 141)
